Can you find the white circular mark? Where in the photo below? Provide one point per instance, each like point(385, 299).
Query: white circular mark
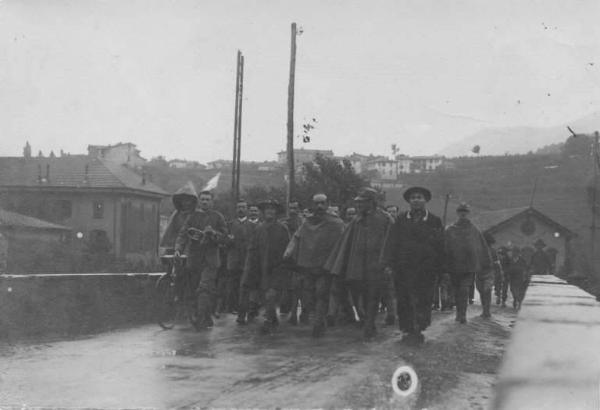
point(9, 289)
point(79, 235)
point(405, 381)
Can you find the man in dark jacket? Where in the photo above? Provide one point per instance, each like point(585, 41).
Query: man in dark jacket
point(468, 258)
point(309, 249)
point(199, 238)
point(540, 262)
point(414, 253)
point(264, 268)
point(518, 277)
point(357, 256)
point(240, 229)
point(291, 296)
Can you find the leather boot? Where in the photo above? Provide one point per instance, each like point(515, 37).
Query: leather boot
point(486, 301)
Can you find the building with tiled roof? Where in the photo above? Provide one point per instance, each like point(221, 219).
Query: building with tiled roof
point(99, 200)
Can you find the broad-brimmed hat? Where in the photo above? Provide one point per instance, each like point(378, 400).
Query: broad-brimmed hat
point(540, 243)
point(270, 203)
point(463, 207)
point(426, 193)
point(367, 194)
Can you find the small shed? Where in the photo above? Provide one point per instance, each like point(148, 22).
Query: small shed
point(17, 231)
point(524, 226)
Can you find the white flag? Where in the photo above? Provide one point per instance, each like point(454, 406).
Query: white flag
point(212, 184)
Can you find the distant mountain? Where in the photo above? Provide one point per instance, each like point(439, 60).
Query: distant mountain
point(520, 140)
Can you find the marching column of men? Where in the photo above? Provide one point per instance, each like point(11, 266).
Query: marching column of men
point(340, 271)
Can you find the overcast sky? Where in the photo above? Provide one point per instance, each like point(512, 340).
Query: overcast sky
point(161, 74)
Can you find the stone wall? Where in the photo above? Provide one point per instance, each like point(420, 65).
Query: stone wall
point(66, 305)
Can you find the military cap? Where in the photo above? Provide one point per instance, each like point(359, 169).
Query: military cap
point(366, 194)
point(463, 207)
point(270, 203)
point(426, 193)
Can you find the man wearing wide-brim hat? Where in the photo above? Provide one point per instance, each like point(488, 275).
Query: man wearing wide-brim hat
point(264, 268)
point(356, 259)
point(540, 262)
point(413, 253)
point(468, 257)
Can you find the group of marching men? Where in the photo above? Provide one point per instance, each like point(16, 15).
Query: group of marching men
point(333, 271)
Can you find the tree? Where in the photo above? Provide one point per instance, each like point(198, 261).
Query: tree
point(52, 154)
point(40, 154)
point(337, 180)
point(27, 150)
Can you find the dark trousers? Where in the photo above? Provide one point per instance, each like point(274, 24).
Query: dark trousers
point(461, 282)
point(340, 306)
point(249, 301)
point(370, 293)
point(414, 303)
point(446, 291)
point(303, 283)
point(272, 297)
point(204, 279)
point(232, 289)
point(316, 285)
point(505, 286)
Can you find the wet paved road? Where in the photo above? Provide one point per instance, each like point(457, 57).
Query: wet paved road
point(232, 366)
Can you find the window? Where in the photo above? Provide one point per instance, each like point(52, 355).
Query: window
point(64, 208)
point(98, 210)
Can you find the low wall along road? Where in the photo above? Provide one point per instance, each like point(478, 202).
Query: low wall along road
point(553, 359)
point(73, 304)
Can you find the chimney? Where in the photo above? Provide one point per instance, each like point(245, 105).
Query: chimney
point(39, 173)
point(47, 173)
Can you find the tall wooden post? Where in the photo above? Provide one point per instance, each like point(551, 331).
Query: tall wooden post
point(235, 130)
point(594, 199)
point(445, 216)
point(290, 119)
point(239, 131)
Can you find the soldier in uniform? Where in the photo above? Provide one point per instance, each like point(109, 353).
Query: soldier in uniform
point(517, 273)
point(199, 238)
point(309, 249)
point(540, 262)
point(468, 258)
point(414, 252)
point(264, 268)
point(240, 229)
point(289, 303)
point(350, 214)
point(357, 256)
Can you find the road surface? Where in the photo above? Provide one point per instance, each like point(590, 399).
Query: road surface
point(233, 367)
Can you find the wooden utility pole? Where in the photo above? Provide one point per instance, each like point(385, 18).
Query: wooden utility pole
point(290, 120)
point(235, 128)
point(594, 197)
point(445, 216)
point(237, 131)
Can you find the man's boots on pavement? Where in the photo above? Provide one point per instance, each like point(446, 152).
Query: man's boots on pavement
point(486, 301)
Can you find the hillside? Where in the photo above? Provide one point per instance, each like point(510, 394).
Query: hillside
point(520, 140)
